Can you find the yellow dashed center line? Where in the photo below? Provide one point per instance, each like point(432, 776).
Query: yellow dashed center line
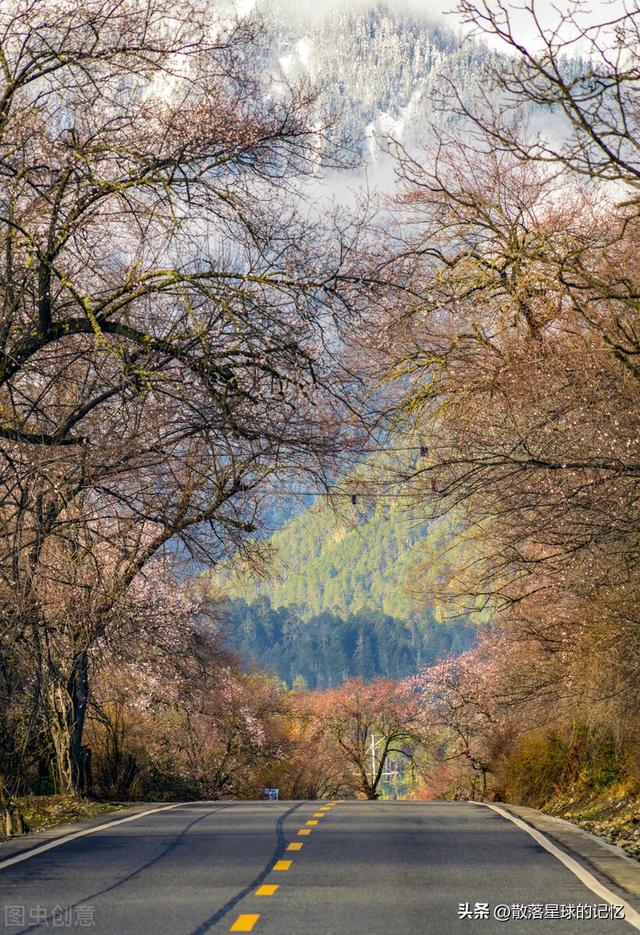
point(244, 923)
point(267, 889)
point(247, 921)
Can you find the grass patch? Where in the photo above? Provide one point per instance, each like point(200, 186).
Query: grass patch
point(47, 811)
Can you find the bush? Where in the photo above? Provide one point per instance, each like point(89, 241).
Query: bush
point(533, 767)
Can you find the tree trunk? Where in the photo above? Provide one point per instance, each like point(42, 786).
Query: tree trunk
point(59, 728)
point(11, 821)
point(79, 695)
point(68, 708)
point(367, 787)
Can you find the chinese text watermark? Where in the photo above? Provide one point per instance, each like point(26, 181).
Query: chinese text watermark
point(56, 917)
point(504, 912)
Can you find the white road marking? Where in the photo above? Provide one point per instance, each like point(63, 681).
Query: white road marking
point(630, 914)
point(81, 834)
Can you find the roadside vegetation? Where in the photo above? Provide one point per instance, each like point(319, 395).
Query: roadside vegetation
point(183, 333)
point(522, 354)
point(163, 324)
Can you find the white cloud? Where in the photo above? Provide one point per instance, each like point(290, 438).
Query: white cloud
point(316, 8)
point(548, 12)
point(244, 7)
point(551, 15)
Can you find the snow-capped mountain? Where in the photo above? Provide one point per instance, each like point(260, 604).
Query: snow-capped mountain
point(379, 67)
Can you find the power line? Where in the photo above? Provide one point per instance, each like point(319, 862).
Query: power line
point(330, 493)
point(421, 450)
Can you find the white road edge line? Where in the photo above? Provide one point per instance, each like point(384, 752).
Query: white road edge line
point(630, 914)
point(81, 834)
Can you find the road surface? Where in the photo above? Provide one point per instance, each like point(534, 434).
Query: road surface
point(355, 868)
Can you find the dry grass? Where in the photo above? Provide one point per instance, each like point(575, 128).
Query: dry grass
point(615, 817)
point(47, 811)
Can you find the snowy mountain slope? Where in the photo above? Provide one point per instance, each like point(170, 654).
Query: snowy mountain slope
point(379, 67)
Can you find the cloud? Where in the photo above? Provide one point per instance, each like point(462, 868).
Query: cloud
point(547, 12)
point(244, 7)
point(316, 8)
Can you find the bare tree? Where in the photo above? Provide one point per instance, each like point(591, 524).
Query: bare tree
point(515, 353)
point(384, 714)
point(170, 313)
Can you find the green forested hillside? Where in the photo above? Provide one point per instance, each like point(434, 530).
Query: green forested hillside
point(325, 649)
point(342, 598)
point(360, 560)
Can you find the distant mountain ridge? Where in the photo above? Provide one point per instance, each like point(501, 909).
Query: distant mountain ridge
point(343, 595)
point(378, 67)
point(344, 564)
point(341, 598)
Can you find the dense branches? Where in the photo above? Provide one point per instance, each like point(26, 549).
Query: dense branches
point(370, 723)
point(518, 362)
point(169, 313)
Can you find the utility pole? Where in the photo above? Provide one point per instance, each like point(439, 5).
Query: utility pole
point(373, 758)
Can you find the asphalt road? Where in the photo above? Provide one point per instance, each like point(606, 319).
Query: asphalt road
point(363, 869)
